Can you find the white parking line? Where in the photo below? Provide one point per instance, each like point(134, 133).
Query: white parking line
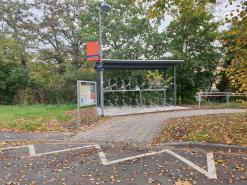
point(33, 153)
point(31, 150)
point(211, 166)
point(102, 155)
point(13, 147)
point(211, 173)
point(107, 162)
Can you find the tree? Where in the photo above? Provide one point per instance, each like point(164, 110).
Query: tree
point(128, 33)
point(13, 75)
point(15, 21)
point(234, 39)
point(49, 48)
point(192, 37)
point(157, 8)
point(58, 31)
point(52, 31)
point(236, 49)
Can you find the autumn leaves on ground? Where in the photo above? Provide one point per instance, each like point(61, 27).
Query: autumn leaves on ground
point(224, 128)
point(61, 117)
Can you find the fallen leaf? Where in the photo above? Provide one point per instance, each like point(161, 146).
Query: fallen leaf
point(182, 183)
point(219, 161)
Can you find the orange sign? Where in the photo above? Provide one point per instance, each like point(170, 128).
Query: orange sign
point(93, 51)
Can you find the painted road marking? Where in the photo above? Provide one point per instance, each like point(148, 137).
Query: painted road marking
point(107, 162)
point(14, 147)
point(102, 155)
point(31, 150)
point(211, 173)
point(211, 166)
point(33, 153)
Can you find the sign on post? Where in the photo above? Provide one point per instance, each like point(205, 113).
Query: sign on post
point(93, 51)
point(86, 96)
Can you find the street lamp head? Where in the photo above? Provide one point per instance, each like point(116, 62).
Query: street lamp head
point(105, 6)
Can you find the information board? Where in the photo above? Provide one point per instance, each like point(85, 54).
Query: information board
point(86, 93)
point(86, 96)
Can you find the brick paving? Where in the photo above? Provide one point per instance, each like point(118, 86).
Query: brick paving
point(140, 128)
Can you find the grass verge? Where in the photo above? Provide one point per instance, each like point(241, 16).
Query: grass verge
point(41, 117)
point(223, 128)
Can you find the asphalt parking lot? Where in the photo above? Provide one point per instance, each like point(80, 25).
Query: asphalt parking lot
point(92, 163)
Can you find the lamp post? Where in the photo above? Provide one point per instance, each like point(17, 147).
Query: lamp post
point(105, 7)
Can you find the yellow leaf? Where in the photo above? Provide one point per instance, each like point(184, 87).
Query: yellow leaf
point(219, 161)
point(240, 168)
point(182, 183)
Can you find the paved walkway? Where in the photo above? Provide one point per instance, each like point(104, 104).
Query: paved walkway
point(133, 128)
point(140, 128)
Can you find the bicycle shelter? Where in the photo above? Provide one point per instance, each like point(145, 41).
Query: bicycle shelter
point(121, 64)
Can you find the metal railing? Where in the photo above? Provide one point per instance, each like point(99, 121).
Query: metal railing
point(200, 95)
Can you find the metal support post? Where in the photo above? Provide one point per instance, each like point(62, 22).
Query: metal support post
point(140, 98)
point(199, 98)
point(78, 105)
point(227, 98)
point(101, 70)
point(98, 89)
point(164, 102)
point(174, 86)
